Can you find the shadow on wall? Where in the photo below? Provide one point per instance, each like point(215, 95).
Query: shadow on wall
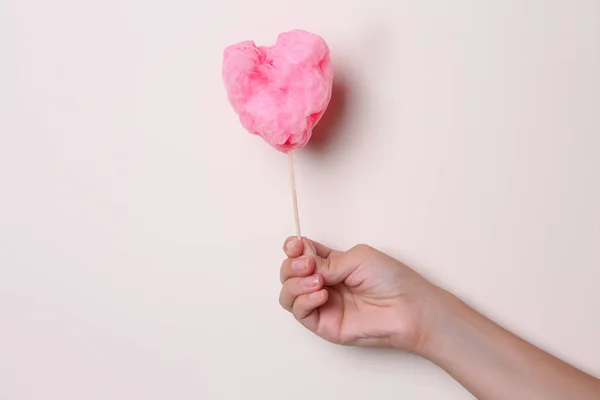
point(334, 129)
point(329, 128)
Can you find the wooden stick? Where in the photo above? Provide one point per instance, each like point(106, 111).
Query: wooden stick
point(294, 196)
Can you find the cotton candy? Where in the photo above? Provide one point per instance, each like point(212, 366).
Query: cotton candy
point(280, 92)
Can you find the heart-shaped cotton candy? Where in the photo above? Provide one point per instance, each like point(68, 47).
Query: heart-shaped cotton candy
point(280, 92)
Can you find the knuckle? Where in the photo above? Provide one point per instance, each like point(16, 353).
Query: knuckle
point(298, 309)
point(284, 263)
point(287, 286)
point(345, 339)
point(281, 301)
point(326, 264)
point(284, 298)
point(289, 293)
point(362, 248)
point(297, 313)
point(283, 269)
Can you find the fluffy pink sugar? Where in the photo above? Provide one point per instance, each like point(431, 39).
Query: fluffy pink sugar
point(280, 92)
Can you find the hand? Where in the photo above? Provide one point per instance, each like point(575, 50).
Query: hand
point(357, 297)
point(364, 297)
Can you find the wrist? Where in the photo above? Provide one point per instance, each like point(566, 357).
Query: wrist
point(442, 314)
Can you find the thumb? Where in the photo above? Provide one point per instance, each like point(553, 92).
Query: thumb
point(335, 267)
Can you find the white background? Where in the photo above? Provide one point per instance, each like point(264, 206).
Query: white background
point(141, 227)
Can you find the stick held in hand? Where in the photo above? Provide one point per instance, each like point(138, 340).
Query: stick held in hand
point(294, 195)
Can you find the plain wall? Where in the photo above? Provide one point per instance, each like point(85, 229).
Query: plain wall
point(141, 227)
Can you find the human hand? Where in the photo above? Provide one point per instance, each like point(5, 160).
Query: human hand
point(366, 298)
point(358, 297)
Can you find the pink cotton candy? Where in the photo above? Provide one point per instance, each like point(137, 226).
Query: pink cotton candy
point(280, 92)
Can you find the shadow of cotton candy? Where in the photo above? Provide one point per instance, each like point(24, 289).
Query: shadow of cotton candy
point(329, 129)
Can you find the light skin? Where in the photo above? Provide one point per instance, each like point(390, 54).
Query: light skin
point(364, 297)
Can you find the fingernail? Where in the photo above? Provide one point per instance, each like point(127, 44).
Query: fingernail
point(310, 282)
point(300, 263)
point(316, 295)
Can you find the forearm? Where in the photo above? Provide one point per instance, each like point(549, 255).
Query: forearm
point(492, 363)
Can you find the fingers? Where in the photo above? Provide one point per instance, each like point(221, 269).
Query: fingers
point(296, 267)
point(333, 265)
point(294, 287)
point(294, 247)
point(302, 292)
point(337, 267)
point(306, 308)
point(316, 247)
